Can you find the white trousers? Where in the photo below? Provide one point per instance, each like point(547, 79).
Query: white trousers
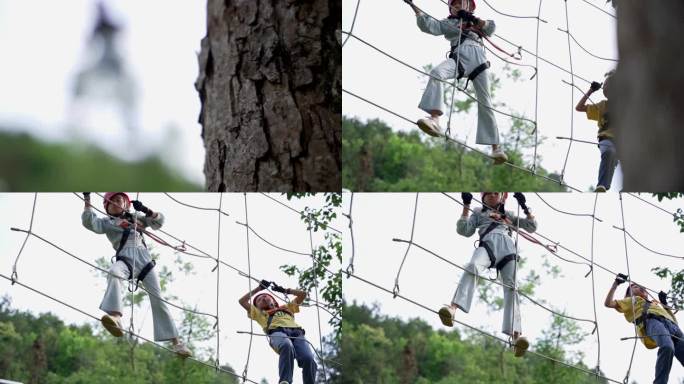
point(164, 328)
point(471, 57)
point(477, 267)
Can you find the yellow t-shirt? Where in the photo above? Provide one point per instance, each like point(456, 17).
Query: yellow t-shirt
point(598, 112)
point(280, 319)
point(625, 307)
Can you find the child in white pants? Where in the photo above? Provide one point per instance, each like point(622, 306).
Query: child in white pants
point(496, 250)
point(132, 261)
point(467, 59)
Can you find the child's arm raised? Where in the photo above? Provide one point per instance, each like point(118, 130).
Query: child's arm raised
point(89, 219)
point(152, 219)
point(244, 300)
point(582, 104)
point(466, 226)
point(610, 302)
point(300, 295)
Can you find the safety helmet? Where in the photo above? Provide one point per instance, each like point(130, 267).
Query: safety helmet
point(110, 195)
point(254, 300)
point(468, 5)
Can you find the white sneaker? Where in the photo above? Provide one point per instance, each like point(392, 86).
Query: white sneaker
point(499, 156)
point(113, 325)
point(430, 126)
point(181, 350)
point(446, 314)
point(600, 188)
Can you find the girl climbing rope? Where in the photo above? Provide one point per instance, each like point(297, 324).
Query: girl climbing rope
point(466, 59)
point(656, 324)
point(497, 250)
point(606, 138)
point(133, 262)
point(285, 336)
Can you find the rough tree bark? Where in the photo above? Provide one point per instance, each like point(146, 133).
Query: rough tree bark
point(649, 103)
point(270, 85)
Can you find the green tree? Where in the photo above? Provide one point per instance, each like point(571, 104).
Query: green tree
point(381, 349)
point(676, 276)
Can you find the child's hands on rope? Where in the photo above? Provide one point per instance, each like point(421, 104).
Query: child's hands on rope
point(521, 201)
point(277, 288)
point(138, 206)
point(467, 198)
point(595, 86)
point(467, 16)
point(620, 278)
point(662, 297)
point(264, 284)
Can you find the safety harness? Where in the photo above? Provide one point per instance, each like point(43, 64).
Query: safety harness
point(461, 70)
point(145, 270)
point(492, 258)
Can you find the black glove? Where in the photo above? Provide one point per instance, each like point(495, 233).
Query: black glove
point(264, 284)
point(620, 278)
point(595, 86)
point(408, 1)
point(86, 195)
point(467, 198)
point(277, 288)
point(467, 16)
point(521, 200)
point(138, 206)
point(662, 297)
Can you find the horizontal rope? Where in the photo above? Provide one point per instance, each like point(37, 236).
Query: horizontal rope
point(213, 366)
point(505, 342)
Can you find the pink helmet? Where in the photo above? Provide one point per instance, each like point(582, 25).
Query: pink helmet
point(110, 195)
point(469, 5)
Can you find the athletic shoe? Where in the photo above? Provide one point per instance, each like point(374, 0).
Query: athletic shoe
point(430, 126)
point(446, 314)
point(113, 325)
point(181, 350)
point(520, 346)
point(499, 156)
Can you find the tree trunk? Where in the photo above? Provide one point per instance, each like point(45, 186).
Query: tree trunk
point(648, 87)
point(270, 84)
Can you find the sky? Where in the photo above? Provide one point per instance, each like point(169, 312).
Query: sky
point(391, 26)
point(42, 51)
point(380, 217)
point(57, 218)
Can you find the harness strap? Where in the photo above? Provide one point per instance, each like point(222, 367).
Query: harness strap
point(145, 270)
point(644, 314)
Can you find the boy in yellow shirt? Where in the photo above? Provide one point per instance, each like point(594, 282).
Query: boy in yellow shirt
point(656, 324)
point(285, 336)
point(599, 113)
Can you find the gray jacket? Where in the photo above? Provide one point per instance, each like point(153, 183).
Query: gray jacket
point(450, 28)
point(110, 226)
point(480, 220)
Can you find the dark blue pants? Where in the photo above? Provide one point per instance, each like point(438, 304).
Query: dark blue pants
point(662, 332)
point(291, 344)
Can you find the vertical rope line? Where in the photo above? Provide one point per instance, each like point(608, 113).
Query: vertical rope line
point(593, 288)
point(249, 285)
point(318, 309)
point(455, 83)
point(350, 267)
point(515, 273)
point(218, 281)
point(131, 326)
point(572, 93)
point(408, 247)
point(15, 276)
point(536, 92)
point(629, 280)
